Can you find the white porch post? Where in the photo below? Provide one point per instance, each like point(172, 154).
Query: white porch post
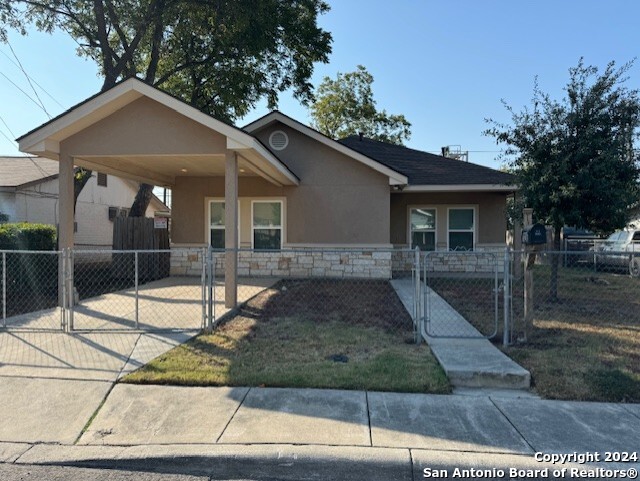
point(231, 229)
point(65, 212)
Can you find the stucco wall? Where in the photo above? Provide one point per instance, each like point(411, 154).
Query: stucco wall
point(491, 224)
point(158, 130)
point(339, 201)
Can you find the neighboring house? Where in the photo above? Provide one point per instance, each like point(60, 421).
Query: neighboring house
point(276, 184)
point(29, 193)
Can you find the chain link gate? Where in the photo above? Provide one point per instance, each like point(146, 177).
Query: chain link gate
point(462, 294)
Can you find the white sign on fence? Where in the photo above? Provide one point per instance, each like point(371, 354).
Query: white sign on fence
point(160, 222)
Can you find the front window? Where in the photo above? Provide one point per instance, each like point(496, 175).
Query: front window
point(267, 224)
point(461, 229)
point(216, 224)
point(423, 229)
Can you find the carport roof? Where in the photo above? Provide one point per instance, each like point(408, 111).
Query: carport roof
point(45, 140)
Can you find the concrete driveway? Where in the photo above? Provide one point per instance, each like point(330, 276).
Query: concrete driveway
point(171, 303)
point(51, 383)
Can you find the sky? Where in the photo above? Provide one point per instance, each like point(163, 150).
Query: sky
point(444, 64)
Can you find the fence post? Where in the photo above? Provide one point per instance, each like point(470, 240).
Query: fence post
point(71, 298)
point(4, 289)
point(203, 289)
point(418, 298)
point(528, 292)
point(506, 333)
point(212, 271)
point(62, 264)
point(136, 281)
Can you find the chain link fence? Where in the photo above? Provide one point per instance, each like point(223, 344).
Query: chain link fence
point(342, 286)
point(597, 290)
point(503, 296)
point(122, 290)
point(463, 293)
point(460, 294)
point(30, 291)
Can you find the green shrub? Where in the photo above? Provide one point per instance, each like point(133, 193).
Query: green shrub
point(29, 276)
point(27, 237)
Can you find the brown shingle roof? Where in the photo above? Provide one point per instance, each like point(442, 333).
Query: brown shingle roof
point(17, 171)
point(423, 168)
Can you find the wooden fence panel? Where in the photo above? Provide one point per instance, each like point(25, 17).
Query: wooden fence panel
point(139, 233)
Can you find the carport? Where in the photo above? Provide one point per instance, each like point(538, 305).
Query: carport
point(138, 132)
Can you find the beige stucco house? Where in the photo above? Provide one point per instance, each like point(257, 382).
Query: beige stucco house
point(275, 184)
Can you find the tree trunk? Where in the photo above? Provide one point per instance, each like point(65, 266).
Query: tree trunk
point(142, 200)
point(555, 261)
point(80, 179)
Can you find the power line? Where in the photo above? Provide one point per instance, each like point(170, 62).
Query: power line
point(25, 93)
point(33, 80)
point(6, 137)
point(28, 79)
point(7, 126)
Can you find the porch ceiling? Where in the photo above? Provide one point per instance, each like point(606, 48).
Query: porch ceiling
point(163, 169)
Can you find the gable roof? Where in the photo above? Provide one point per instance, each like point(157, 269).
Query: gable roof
point(395, 176)
point(18, 171)
point(45, 139)
point(432, 172)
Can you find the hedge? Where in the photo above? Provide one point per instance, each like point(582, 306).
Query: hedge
point(32, 279)
point(27, 237)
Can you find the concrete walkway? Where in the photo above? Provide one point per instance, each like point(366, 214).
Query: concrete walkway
point(267, 433)
point(469, 363)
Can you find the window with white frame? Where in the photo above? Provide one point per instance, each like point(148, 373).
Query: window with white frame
point(423, 228)
point(462, 229)
point(216, 224)
point(266, 224)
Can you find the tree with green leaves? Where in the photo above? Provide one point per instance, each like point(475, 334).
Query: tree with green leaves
point(345, 106)
point(220, 56)
point(574, 158)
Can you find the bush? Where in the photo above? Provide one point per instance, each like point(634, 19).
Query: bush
point(28, 237)
point(29, 276)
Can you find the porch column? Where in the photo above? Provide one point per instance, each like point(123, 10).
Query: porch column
point(231, 229)
point(65, 211)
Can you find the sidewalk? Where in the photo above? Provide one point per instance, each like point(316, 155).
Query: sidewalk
point(269, 433)
point(469, 360)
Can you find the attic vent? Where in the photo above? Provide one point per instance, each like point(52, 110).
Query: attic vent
point(278, 140)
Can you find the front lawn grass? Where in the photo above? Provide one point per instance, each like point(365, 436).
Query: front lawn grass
point(584, 345)
point(308, 333)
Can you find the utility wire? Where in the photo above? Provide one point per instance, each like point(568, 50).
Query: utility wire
point(33, 80)
point(28, 79)
point(7, 126)
point(7, 137)
point(25, 93)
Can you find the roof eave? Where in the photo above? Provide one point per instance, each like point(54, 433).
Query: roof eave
point(461, 188)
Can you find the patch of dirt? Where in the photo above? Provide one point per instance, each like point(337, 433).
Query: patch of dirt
point(360, 302)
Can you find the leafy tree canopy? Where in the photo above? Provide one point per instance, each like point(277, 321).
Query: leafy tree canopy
point(345, 106)
point(220, 56)
point(575, 158)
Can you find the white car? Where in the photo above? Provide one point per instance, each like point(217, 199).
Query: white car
point(620, 249)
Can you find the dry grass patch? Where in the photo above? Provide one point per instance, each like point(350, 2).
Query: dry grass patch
point(584, 345)
point(338, 334)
